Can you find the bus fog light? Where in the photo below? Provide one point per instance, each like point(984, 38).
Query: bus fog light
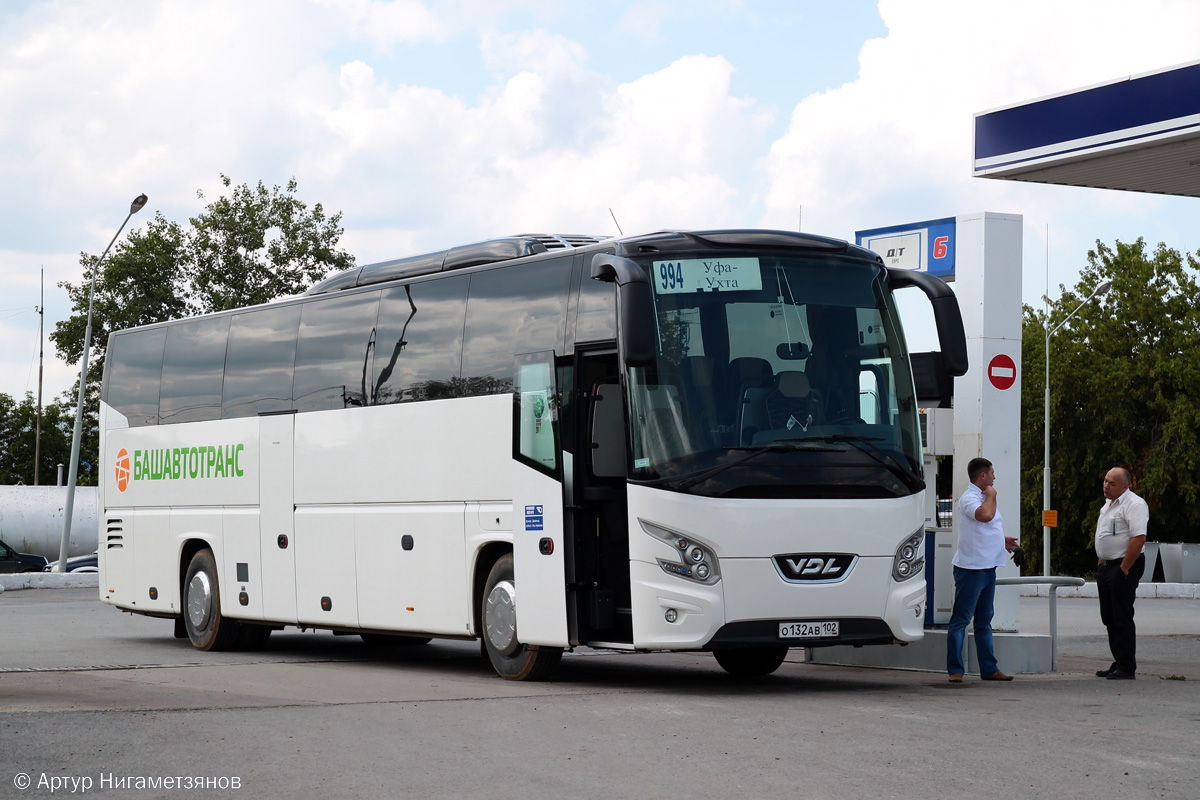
point(903, 568)
point(671, 615)
point(702, 571)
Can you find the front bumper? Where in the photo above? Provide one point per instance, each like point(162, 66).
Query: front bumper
point(746, 606)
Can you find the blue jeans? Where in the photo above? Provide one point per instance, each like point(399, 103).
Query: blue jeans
point(974, 596)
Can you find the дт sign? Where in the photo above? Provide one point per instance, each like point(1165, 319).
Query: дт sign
point(1002, 372)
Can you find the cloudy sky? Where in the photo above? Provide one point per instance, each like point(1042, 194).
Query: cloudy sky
point(430, 123)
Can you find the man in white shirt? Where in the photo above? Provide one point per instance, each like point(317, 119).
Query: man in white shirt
point(982, 546)
point(1120, 535)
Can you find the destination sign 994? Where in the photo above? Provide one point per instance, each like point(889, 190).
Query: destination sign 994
point(707, 274)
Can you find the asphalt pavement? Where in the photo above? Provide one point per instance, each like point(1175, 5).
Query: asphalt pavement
point(89, 694)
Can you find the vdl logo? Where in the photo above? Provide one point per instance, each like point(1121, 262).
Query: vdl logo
point(814, 567)
point(122, 470)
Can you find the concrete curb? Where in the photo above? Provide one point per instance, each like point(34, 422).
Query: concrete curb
point(1162, 591)
point(50, 580)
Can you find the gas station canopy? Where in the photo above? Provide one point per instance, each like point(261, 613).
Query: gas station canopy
point(1140, 133)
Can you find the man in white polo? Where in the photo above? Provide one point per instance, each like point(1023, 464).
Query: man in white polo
point(1120, 535)
point(982, 546)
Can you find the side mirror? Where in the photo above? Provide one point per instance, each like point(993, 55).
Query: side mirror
point(951, 337)
point(635, 307)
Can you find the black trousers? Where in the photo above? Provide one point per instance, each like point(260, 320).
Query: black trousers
point(1117, 591)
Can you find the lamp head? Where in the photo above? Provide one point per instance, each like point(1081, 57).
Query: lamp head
point(138, 203)
point(1103, 288)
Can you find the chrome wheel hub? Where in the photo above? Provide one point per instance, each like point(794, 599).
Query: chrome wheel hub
point(199, 600)
point(500, 617)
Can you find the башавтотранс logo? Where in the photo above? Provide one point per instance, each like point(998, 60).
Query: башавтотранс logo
point(179, 463)
point(122, 470)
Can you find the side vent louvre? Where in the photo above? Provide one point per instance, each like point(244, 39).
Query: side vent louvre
point(115, 535)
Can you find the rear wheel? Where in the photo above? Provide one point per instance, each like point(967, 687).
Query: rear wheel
point(206, 627)
point(513, 660)
point(746, 662)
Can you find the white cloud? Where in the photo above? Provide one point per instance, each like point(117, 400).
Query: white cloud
point(386, 23)
point(111, 104)
point(644, 19)
point(551, 148)
point(895, 144)
point(536, 51)
point(101, 103)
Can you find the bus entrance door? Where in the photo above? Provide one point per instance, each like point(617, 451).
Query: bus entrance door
point(276, 505)
point(538, 548)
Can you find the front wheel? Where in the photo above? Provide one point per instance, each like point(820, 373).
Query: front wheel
point(513, 660)
point(206, 627)
point(749, 662)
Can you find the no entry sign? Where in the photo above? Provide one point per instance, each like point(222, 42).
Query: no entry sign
point(1002, 372)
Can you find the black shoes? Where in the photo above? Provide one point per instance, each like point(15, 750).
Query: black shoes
point(1115, 673)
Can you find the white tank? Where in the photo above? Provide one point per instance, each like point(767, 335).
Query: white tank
point(31, 519)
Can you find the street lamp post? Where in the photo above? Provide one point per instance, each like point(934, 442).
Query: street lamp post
point(1099, 290)
point(73, 471)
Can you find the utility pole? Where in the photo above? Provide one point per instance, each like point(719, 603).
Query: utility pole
point(37, 438)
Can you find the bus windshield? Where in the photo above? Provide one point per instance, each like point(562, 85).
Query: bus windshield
point(777, 375)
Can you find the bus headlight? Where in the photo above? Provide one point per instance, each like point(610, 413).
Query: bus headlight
point(695, 561)
point(908, 562)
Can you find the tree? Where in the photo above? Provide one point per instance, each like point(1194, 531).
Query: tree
point(1123, 374)
point(18, 434)
point(245, 249)
point(144, 280)
point(249, 248)
point(236, 260)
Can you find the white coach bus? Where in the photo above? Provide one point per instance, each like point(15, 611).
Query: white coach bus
point(677, 441)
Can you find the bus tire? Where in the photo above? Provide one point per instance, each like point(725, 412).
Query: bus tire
point(751, 662)
point(388, 640)
point(206, 627)
point(513, 660)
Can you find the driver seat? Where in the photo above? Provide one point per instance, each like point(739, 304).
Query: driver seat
point(793, 402)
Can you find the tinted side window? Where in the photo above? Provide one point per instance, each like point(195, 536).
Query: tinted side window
point(512, 310)
point(597, 320)
point(258, 367)
point(134, 371)
point(333, 352)
point(193, 366)
point(419, 348)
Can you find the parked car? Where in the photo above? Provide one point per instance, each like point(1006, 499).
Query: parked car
point(12, 561)
point(76, 564)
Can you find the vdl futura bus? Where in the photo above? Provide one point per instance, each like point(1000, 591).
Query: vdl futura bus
point(678, 441)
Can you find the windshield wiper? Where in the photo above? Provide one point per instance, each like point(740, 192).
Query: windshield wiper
point(865, 444)
point(689, 480)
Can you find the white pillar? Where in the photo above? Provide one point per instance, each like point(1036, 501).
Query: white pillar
point(987, 418)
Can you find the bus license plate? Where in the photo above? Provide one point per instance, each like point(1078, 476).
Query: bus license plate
point(808, 630)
